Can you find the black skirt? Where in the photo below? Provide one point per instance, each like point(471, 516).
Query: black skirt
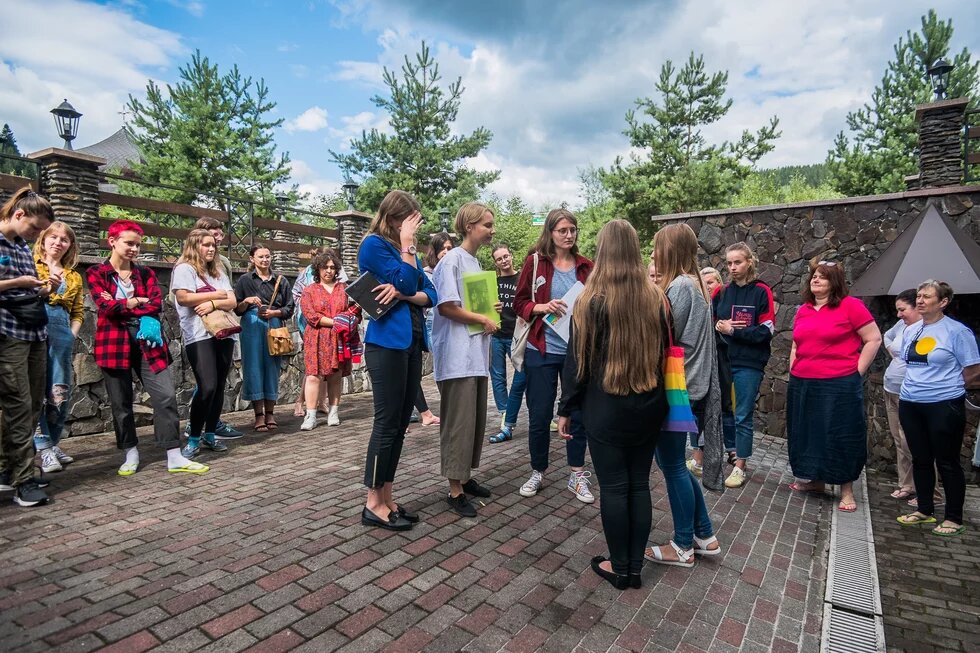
point(826, 428)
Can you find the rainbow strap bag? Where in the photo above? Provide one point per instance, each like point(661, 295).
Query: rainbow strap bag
point(680, 417)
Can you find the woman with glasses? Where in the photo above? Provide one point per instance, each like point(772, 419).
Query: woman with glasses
point(559, 267)
point(835, 339)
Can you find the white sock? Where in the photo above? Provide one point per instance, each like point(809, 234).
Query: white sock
point(174, 459)
point(133, 456)
point(311, 413)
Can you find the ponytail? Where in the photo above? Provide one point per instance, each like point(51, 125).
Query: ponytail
point(29, 202)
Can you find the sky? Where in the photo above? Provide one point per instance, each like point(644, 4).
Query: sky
point(551, 80)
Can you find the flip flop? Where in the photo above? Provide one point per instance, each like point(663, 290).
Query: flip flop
point(797, 487)
point(190, 468)
point(847, 507)
point(957, 530)
point(915, 519)
point(127, 469)
point(901, 494)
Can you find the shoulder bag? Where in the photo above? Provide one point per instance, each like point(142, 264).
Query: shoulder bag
point(680, 417)
point(522, 327)
point(279, 341)
point(219, 323)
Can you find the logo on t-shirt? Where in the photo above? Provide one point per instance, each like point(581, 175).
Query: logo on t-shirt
point(917, 352)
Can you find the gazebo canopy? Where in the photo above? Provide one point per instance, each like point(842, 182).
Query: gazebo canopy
point(932, 247)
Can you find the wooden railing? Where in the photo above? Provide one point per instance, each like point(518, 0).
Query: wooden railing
point(971, 146)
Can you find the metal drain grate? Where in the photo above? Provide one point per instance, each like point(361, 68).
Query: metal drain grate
point(852, 604)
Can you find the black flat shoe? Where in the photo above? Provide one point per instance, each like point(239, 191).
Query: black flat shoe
point(412, 517)
point(617, 581)
point(395, 522)
point(635, 581)
point(472, 488)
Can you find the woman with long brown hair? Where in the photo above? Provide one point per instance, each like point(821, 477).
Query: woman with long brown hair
point(613, 375)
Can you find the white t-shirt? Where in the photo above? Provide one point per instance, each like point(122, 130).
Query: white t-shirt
point(455, 353)
point(185, 277)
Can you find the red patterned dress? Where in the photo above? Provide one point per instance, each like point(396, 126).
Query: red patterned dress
point(319, 342)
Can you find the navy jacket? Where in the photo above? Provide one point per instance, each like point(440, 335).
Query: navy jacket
point(750, 346)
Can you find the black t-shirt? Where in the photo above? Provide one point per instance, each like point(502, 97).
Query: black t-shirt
point(506, 289)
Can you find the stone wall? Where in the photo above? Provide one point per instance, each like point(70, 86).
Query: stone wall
point(853, 231)
point(89, 409)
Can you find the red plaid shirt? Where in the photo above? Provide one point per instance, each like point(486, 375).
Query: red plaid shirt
point(112, 340)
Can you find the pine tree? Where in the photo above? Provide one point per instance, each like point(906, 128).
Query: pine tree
point(209, 132)
point(881, 149)
point(8, 145)
point(421, 155)
point(679, 170)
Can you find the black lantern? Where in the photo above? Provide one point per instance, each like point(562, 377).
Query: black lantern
point(444, 219)
point(939, 74)
point(282, 200)
point(66, 122)
point(350, 192)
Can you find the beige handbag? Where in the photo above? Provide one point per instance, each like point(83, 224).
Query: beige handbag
point(280, 343)
point(522, 328)
point(219, 323)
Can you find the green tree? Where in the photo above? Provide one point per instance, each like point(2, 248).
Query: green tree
point(8, 145)
point(209, 132)
point(762, 189)
point(421, 155)
point(675, 168)
point(880, 150)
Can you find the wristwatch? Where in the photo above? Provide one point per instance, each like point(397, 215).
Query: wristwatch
point(411, 250)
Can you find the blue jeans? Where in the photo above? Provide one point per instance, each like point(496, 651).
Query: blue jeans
point(738, 426)
point(508, 403)
point(59, 379)
point(687, 507)
point(542, 389)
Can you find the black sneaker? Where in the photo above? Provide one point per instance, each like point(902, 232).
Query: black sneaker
point(475, 489)
point(461, 505)
point(29, 494)
point(5, 485)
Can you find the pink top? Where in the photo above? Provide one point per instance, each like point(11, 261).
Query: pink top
point(827, 342)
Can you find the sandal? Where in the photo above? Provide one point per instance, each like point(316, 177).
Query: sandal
point(270, 423)
point(684, 558)
point(951, 530)
point(902, 494)
point(805, 489)
point(128, 469)
point(190, 468)
point(847, 507)
point(701, 546)
point(298, 411)
point(260, 424)
point(915, 519)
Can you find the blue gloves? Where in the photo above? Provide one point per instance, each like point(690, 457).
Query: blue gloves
point(150, 331)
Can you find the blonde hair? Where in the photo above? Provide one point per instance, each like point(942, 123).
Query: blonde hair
point(191, 255)
point(70, 258)
point(396, 205)
point(469, 213)
point(632, 309)
point(750, 256)
point(675, 253)
point(713, 272)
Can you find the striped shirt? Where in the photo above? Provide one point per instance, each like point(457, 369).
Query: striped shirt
point(16, 260)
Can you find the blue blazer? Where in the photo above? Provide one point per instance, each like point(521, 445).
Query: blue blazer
point(382, 259)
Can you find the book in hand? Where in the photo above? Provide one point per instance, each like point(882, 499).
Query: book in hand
point(480, 296)
point(744, 314)
point(362, 293)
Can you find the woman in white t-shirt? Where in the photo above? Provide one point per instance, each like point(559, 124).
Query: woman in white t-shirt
point(462, 360)
point(201, 286)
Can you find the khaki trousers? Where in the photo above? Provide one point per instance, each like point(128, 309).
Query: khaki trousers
point(463, 425)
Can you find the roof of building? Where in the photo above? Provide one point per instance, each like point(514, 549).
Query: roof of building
point(119, 151)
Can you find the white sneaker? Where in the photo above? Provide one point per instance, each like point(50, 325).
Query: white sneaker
point(578, 483)
point(533, 484)
point(736, 478)
point(62, 457)
point(333, 418)
point(309, 422)
point(49, 462)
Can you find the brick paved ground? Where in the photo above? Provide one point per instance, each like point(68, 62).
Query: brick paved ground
point(266, 553)
point(930, 586)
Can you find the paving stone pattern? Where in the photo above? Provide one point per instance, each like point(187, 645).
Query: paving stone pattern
point(266, 553)
point(930, 586)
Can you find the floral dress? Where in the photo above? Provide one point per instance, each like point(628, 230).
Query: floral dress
point(320, 343)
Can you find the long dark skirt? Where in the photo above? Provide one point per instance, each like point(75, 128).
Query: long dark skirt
point(826, 428)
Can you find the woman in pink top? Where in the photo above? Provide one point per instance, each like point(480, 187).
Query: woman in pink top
point(834, 341)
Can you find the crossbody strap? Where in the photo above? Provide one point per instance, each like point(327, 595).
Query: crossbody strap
point(275, 289)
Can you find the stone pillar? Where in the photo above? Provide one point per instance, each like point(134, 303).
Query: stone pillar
point(351, 225)
point(70, 181)
point(941, 142)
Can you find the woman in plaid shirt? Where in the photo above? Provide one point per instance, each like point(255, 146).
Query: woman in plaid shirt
point(23, 351)
point(128, 340)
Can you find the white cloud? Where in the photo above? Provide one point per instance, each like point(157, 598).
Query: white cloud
point(193, 7)
point(311, 120)
point(353, 126)
point(310, 181)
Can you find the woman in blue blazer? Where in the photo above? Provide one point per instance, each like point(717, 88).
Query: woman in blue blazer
point(393, 349)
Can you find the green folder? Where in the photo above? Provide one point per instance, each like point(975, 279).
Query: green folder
point(480, 296)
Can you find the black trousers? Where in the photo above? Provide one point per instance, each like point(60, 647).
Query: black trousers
point(210, 360)
point(934, 432)
point(395, 375)
point(626, 509)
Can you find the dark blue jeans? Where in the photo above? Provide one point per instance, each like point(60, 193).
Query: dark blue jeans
point(738, 426)
point(687, 505)
point(542, 390)
point(509, 402)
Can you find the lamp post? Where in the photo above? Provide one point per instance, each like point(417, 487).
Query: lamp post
point(939, 74)
point(444, 219)
point(350, 192)
point(66, 122)
point(281, 201)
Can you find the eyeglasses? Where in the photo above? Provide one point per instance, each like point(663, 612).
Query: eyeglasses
point(566, 231)
point(829, 264)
